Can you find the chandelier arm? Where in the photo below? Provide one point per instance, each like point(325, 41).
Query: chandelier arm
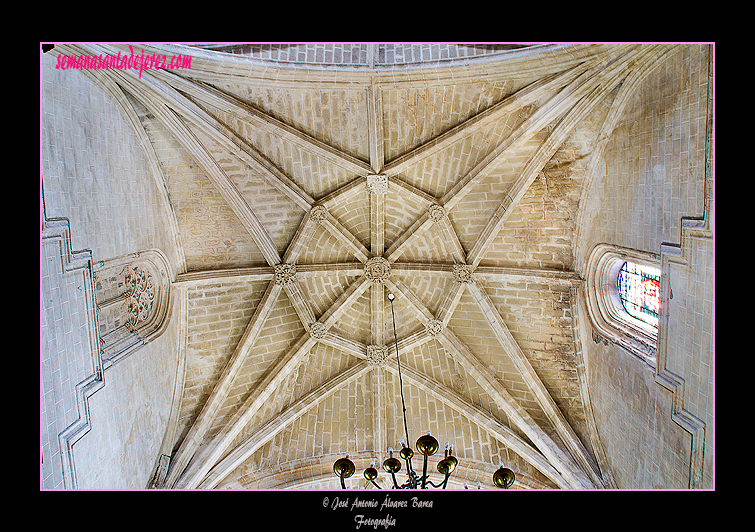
point(409, 466)
point(411, 480)
point(440, 484)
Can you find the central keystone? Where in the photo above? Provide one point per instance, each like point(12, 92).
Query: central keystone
point(377, 269)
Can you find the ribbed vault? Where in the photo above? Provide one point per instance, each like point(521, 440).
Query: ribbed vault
point(302, 196)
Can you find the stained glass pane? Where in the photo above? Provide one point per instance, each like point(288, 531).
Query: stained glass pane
point(640, 291)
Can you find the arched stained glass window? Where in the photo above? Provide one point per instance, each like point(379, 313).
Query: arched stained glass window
point(622, 295)
point(639, 289)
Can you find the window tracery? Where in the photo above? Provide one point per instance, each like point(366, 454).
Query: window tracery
point(140, 295)
point(132, 295)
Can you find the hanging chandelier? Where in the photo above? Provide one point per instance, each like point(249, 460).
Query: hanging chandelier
point(427, 445)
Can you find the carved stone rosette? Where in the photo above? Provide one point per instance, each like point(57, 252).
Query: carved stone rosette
point(318, 214)
point(318, 330)
point(377, 184)
point(436, 212)
point(434, 327)
point(377, 269)
point(377, 355)
point(462, 273)
point(285, 274)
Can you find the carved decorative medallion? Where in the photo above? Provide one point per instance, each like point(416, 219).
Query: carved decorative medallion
point(318, 330)
point(436, 212)
point(285, 274)
point(434, 327)
point(377, 184)
point(462, 273)
point(377, 269)
point(140, 295)
point(318, 214)
point(377, 355)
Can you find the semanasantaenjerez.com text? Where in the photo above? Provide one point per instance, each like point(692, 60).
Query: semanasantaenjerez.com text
point(123, 62)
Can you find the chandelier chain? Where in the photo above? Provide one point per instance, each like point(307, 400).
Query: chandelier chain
point(427, 445)
point(400, 380)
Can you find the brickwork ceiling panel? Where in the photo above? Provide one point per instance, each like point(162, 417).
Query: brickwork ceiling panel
point(468, 149)
point(354, 215)
point(471, 214)
point(401, 211)
point(321, 364)
point(433, 360)
point(336, 117)
point(323, 290)
point(280, 330)
point(210, 231)
point(538, 314)
point(355, 324)
point(340, 419)
point(313, 173)
point(323, 248)
point(407, 322)
point(217, 316)
point(433, 289)
point(470, 325)
point(416, 115)
point(276, 212)
point(538, 234)
point(429, 247)
point(540, 229)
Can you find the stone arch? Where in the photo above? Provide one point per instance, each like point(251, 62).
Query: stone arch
point(132, 293)
point(610, 321)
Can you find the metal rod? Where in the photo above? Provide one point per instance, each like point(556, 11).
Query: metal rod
point(398, 360)
point(424, 472)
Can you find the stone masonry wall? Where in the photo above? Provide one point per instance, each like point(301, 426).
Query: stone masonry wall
point(94, 174)
point(653, 175)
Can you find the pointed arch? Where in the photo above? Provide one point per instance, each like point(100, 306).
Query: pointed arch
point(609, 317)
point(133, 297)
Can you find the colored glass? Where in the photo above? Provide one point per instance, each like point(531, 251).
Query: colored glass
point(640, 291)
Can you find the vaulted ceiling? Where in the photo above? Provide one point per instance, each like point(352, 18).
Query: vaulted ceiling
point(306, 183)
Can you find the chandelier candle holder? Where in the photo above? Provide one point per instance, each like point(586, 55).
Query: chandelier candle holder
point(427, 445)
